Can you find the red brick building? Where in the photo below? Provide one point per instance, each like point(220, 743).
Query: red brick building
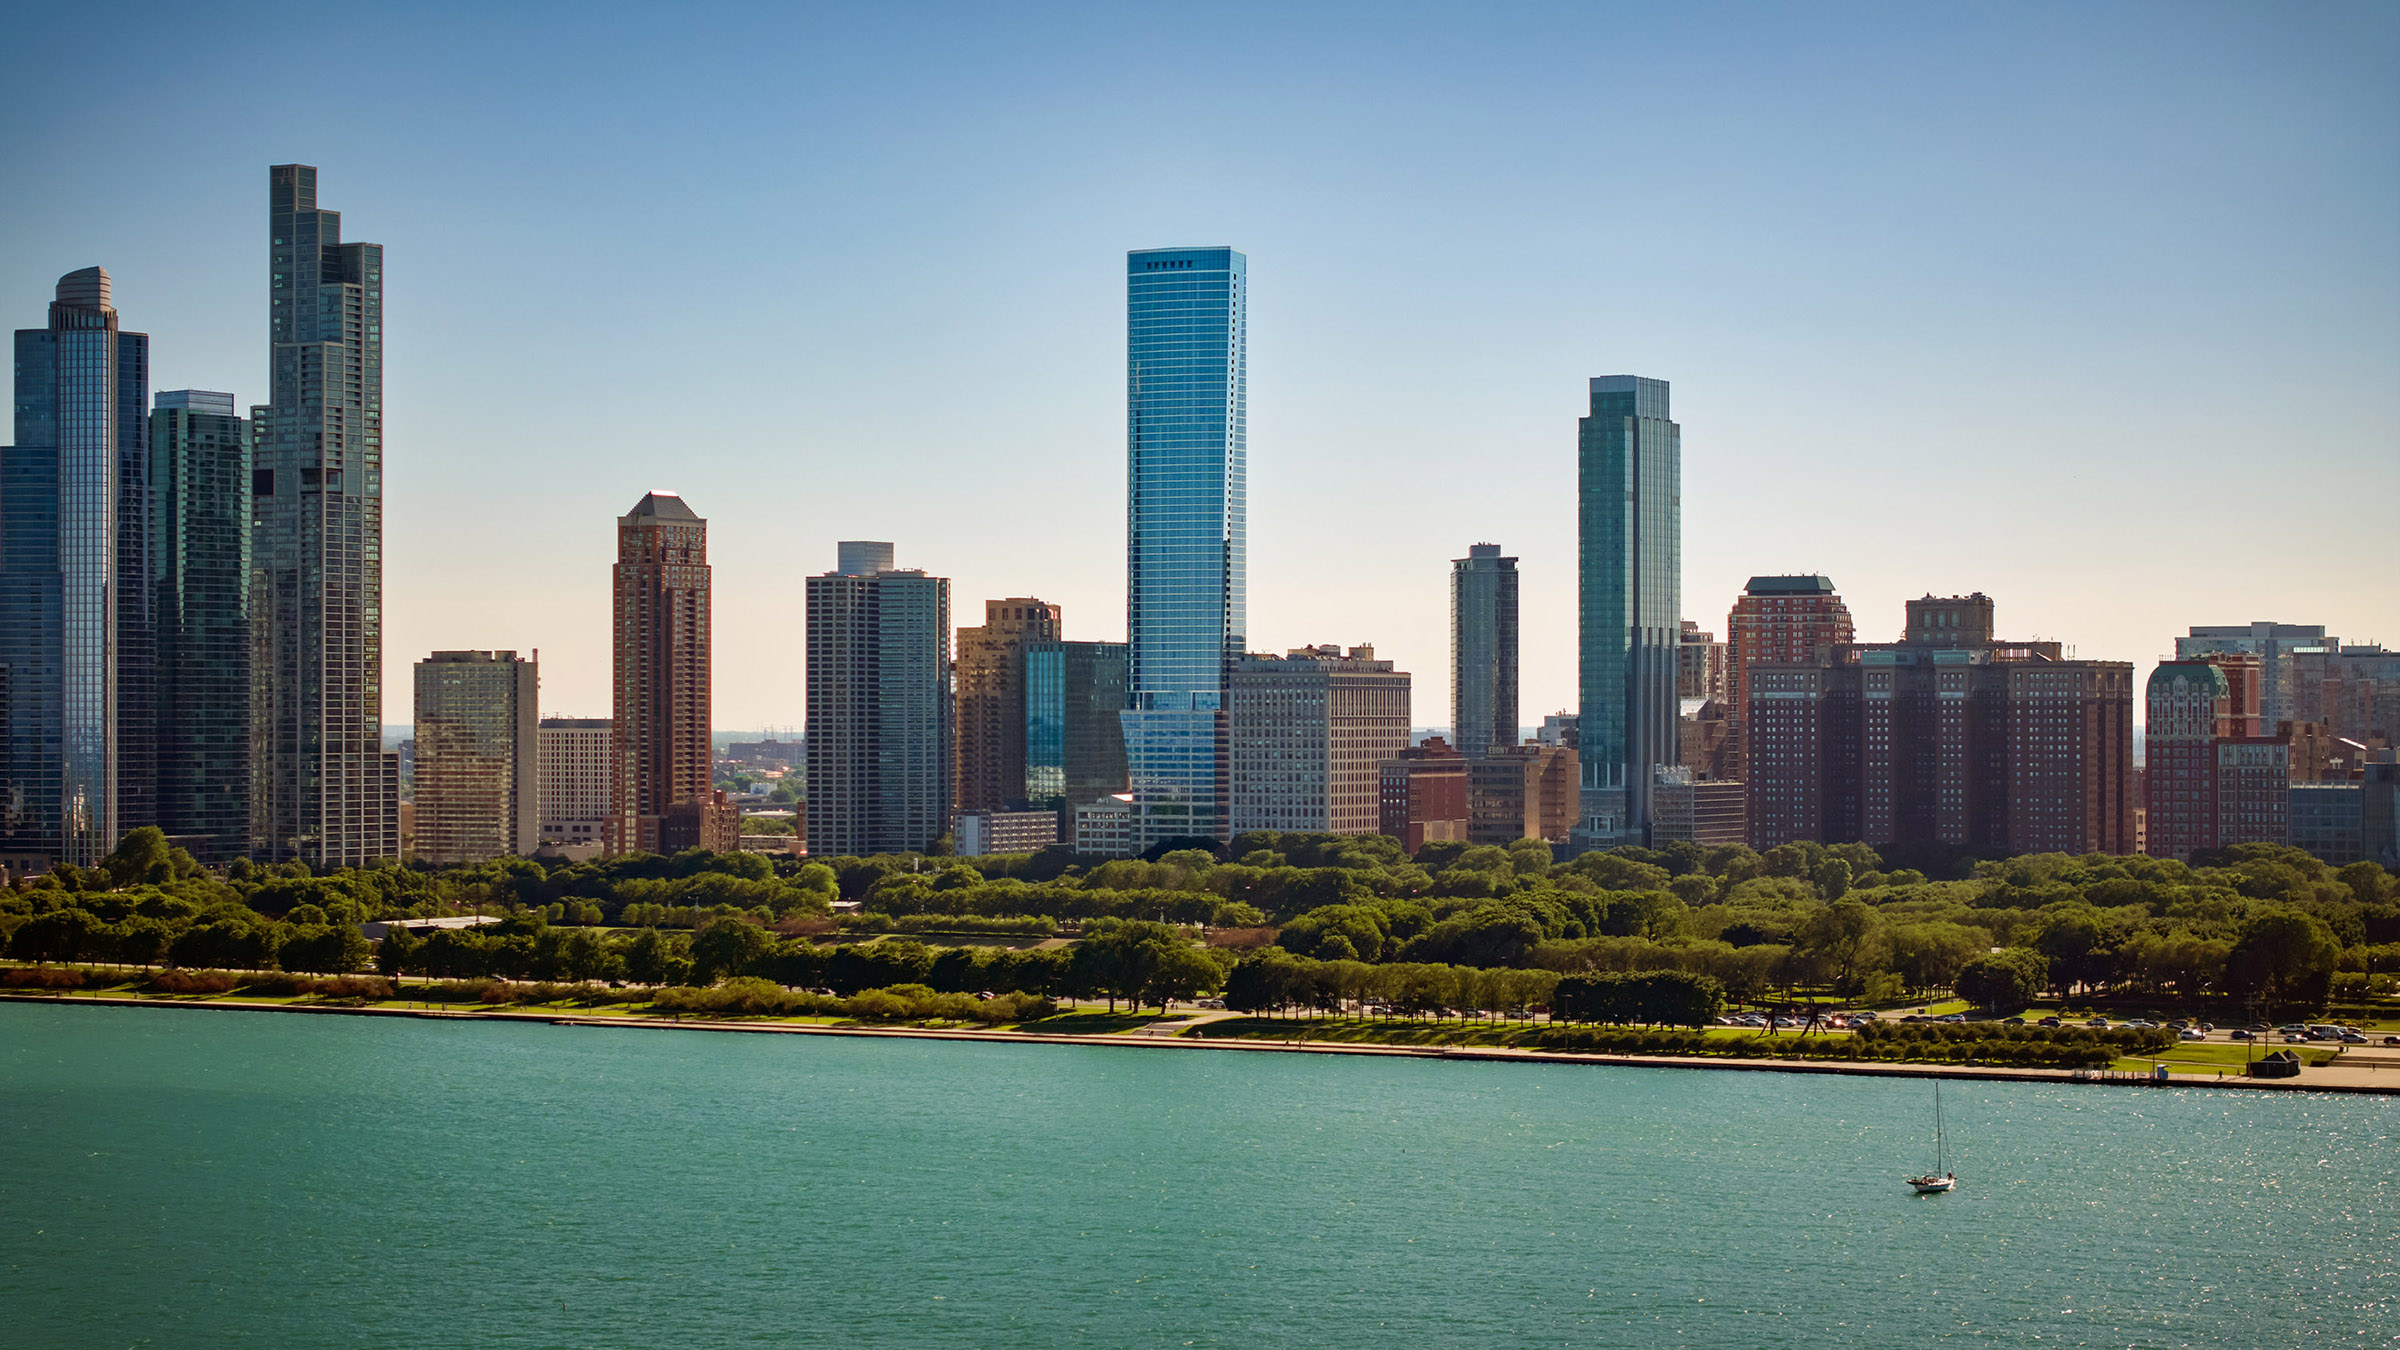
point(2212, 779)
point(1424, 795)
point(1777, 620)
point(661, 797)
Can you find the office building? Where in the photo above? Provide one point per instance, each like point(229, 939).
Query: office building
point(1186, 573)
point(2352, 691)
point(1483, 651)
point(1523, 792)
point(323, 788)
point(662, 797)
point(1700, 667)
point(979, 834)
point(1630, 523)
point(200, 598)
point(478, 780)
point(2272, 643)
point(1776, 619)
point(1691, 810)
point(1423, 795)
point(1561, 728)
point(2327, 820)
point(1311, 732)
point(573, 761)
point(990, 741)
point(1074, 734)
point(2188, 708)
point(75, 647)
point(879, 706)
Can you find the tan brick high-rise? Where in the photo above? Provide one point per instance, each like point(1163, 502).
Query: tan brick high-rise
point(660, 799)
point(991, 701)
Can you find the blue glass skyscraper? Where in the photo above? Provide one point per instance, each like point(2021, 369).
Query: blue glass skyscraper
point(1185, 531)
point(1631, 534)
point(74, 640)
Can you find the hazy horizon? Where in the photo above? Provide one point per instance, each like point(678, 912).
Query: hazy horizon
point(2095, 310)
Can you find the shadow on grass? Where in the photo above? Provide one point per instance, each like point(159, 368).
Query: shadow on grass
point(1360, 1033)
point(1093, 1023)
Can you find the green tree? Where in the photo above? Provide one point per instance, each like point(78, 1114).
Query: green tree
point(727, 947)
point(2003, 981)
point(2286, 958)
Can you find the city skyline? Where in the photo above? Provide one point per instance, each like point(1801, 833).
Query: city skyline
point(1370, 394)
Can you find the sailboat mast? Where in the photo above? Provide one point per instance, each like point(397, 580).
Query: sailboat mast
point(1938, 1159)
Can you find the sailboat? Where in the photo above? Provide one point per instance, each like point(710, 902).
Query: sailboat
point(1940, 1179)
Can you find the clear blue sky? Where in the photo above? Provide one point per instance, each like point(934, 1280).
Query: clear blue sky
point(2093, 307)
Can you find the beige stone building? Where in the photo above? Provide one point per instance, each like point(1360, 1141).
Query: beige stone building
point(1309, 734)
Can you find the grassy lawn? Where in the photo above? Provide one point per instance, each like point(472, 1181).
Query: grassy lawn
point(1097, 1022)
point(1359, 1033)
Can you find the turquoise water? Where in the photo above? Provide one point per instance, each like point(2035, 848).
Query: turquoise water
point(189, 1178)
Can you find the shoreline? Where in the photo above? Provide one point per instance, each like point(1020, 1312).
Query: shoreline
point(1493, 1054)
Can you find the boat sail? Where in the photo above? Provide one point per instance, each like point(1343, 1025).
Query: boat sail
point(1941, 1178)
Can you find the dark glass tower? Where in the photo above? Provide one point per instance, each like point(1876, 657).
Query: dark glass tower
point(200, 587)
point(1074, 736)
point(1483, 651)
point(1631, 531)
point(322, 786)
point(74, 611)
point(1186, 530)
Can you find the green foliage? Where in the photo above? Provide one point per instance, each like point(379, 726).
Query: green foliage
point(1657, 997)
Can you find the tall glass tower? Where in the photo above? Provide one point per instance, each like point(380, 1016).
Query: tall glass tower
point(200, 585)
point(1185, 531)
point(1631, 532)
point(322, 786)
point(1483, 651)
point(74, 611)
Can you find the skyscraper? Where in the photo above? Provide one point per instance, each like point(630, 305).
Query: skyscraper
point(991, 701)
point(879, 706)
point(660, 797)
point(74, 640)
point(200, 588)
point(478, 775)
point(1483, 651)
point(1631, 534)
point(1186, 529)
point(1310, 734)
point(2272, 643)
point(322, 786)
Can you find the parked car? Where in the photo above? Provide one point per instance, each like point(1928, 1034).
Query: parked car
point(1951, 1017)
point(1863, 1017)
point(2100, 1022)
point(2290, 1039)
point(2014, 1021)
point(2193, 1034)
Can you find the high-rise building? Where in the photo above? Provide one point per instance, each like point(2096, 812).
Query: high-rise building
point(991, 701)
point(75, 646)
point(323, 788)
point(200, 593)
point(879, 706)
point(1483, 651)
point(1700, 666)
point(2272, 643)
point(1631, 535)
point(1074, 736)
point(1424, 795)
point(2212, 780)
point(478, 794)
point(1949, 737)
point(1311, 733)
point(573, 761)
point(661, 793)
point(1777, 619)
point(1186, 574)
point(2352, 691)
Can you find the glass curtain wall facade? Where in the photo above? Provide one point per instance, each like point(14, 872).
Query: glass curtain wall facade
point(1483, 651)
point(1186, 531)
point(74, 624)
point(1631, 534)
point(200, 593)
point(1074, 736)
point(478, 774)
point(323, 788)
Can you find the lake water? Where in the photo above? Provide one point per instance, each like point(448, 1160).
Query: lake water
point(189, 1178)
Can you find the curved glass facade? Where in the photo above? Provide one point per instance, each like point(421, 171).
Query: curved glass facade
point(1185, 529)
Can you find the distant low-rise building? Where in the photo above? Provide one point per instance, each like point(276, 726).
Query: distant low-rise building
point(1424, 795)
point(1104, 828)
point(1528, 791)
point(574, 768)
point(980, 834)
